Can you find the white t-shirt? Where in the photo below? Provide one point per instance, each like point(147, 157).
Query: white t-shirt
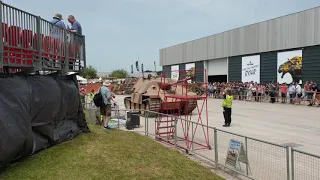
point(298, 89)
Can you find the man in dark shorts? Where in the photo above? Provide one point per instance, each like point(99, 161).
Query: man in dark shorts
point(105, 109)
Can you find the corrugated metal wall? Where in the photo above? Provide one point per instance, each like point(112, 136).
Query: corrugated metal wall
point(234, 69)
point(182, 68)
point(287, 32)
point(311, 64)
point(268, 67)
point(199, 72)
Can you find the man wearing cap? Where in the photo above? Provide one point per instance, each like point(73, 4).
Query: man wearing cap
point(227, 106)
point(105, 109)
point(55, 31)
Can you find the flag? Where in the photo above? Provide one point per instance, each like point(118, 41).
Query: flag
point(137, 65)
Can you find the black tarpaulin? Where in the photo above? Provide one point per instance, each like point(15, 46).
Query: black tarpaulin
point(37, 112)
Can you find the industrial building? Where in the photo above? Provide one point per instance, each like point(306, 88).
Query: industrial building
point(283, 49)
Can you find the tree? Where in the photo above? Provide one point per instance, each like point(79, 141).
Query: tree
point(89, 73)
point(120, 73)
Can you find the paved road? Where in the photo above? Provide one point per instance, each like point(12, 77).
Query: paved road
point(276, 123)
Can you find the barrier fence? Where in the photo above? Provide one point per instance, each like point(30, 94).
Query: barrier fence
point(265, 160)
point(304, 100)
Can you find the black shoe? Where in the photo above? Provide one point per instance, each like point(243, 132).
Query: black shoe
point(226, 125)
point(310, 105)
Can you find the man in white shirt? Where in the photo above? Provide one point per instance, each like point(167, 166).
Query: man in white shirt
point(249, 93)
point(298, 93)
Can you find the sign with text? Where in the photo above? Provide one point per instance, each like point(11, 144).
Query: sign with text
point(236, 154)
point(251, 69)
point(175, 72)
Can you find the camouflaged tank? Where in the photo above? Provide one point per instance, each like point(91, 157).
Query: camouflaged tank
point(152, 94)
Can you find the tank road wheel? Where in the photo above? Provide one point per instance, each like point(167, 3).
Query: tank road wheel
point(153, 105)
point(127, 102)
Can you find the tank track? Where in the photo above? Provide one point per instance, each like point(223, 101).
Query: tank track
point(154, 105)
point(191, 106)
point(127, 101)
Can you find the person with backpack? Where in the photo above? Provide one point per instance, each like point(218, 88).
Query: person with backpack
point(103, 100)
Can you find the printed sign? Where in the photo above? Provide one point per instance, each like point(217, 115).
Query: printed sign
point(251, 69)
point(175, 72)
point(236, 154)
point(289, 67)
point(233, 152)
point(190, 71)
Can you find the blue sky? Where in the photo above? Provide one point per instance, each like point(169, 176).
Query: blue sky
point(117, 30)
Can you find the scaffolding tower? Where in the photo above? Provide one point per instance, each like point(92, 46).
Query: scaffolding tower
point(184, 117)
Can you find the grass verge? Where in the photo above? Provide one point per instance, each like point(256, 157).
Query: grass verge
point(108, 154)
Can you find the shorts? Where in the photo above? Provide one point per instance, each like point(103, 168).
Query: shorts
point(299, 95)
point(283, 95)
point(105, 110)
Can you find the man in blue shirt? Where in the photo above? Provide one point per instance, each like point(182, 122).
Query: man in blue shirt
point(105, 109)
point(75, 25)
point(56, 30)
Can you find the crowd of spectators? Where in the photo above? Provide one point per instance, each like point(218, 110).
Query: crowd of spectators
point(274, 92)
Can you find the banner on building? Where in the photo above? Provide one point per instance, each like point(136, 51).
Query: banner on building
point(191, 71)
point(175, 72)
point(289, 67)
point(251, 69)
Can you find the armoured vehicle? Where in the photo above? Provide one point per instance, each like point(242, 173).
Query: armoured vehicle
point(154, 95)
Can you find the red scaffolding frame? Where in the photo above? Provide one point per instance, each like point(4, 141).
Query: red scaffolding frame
point(179, 102)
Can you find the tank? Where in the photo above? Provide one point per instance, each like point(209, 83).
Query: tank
point(152, 94)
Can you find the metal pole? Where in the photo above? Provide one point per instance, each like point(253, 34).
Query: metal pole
point(118, 113)
point(292, 164)
point(246, 144)
point(288, 162)
point(84, 53)
point(192, 137)
point(215, 137)
point(146, 123)
point(66, 51)
point(175, 132)
point(4, 35)
point(39, 34)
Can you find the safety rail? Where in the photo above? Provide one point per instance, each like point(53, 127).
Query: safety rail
point(266, 160)
point(30, 43)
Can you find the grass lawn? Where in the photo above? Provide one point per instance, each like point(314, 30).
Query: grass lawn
point(112, 154)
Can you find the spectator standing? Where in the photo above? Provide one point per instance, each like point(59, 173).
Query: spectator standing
point(313, 91)
point(249, 91)
point(284, 91)
point(292, 91)
point(272, 93)
point(105, 109)
point(306, 88)
point(298, 93)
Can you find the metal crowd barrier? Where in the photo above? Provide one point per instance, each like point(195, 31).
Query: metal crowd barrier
point(266, 98)
point(266, 160)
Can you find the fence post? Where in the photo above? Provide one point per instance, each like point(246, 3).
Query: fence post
point(246, 144)
point(192, 146)
point(118, 114)
point(175, 132)
point(292, 164)
point(288, 162)
point(216, 147)
point(146, 123)
point(1, 42)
